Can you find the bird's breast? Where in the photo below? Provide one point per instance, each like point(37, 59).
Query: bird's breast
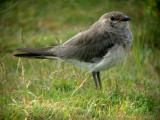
point(112, 58)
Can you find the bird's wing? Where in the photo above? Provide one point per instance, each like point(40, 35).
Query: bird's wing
point(88, 45)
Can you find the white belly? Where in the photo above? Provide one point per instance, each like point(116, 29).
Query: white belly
point(112, 58)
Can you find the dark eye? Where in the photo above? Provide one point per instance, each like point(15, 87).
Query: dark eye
point(112, 18)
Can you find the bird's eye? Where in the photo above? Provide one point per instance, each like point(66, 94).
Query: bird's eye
point(112, 18)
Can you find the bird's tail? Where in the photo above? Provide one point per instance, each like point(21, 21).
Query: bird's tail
point(38, 53)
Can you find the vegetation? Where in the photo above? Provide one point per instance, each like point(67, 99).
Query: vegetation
point(50, 89)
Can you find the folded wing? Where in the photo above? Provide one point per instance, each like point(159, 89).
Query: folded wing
point(88, 45)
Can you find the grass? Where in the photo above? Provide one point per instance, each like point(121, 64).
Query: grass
point(50, 89)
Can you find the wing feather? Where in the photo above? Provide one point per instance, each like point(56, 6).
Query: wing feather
point(87, 45)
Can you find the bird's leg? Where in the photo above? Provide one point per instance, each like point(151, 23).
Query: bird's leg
point(94, 77)
point(99, 79)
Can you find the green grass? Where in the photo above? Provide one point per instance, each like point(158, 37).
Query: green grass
point(50, 89)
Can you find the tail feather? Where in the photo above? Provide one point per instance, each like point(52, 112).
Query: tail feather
point(29, 55)
point(38, 53)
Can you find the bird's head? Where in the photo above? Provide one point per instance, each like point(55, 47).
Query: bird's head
point(116, 20)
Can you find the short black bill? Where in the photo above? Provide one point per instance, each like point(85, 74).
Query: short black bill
point(126, 19)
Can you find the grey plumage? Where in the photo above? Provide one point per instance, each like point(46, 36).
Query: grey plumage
point(39, 53)
point(107, 40)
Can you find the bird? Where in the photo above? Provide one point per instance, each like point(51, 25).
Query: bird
point(100, 47)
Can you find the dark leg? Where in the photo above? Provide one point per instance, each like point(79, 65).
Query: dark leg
point(94, 77)
point(99, 79)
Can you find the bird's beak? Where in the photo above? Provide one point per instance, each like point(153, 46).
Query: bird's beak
point(126, 19)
